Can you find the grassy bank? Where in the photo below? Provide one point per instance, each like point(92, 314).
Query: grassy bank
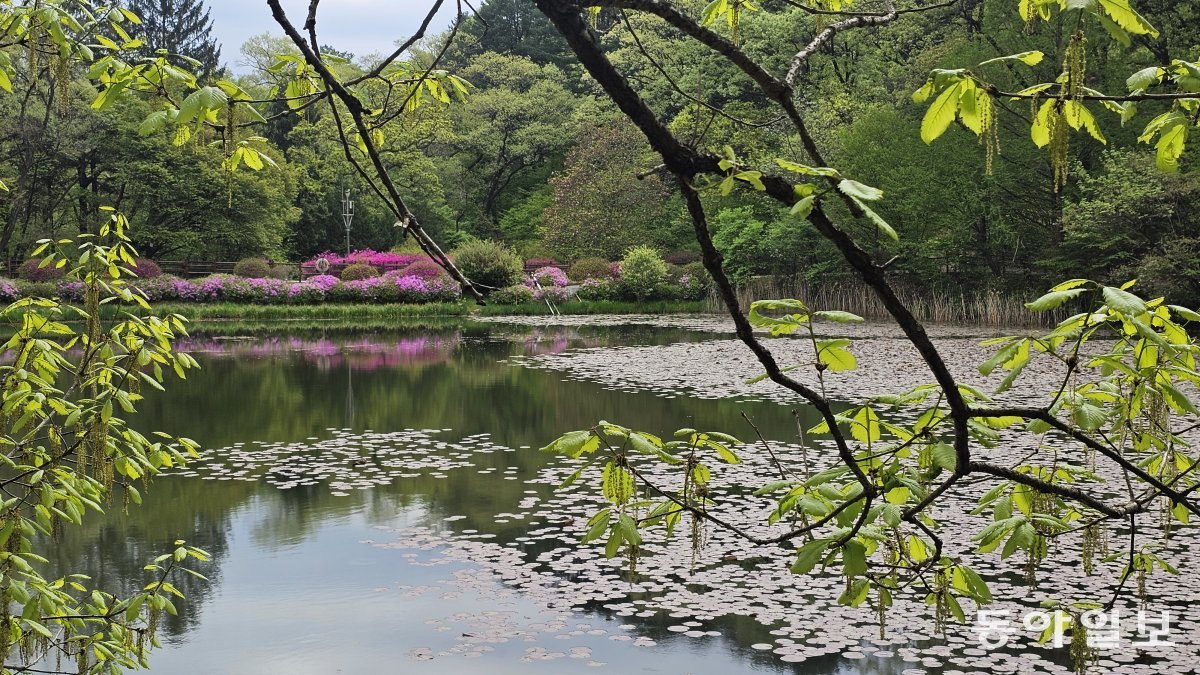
point(595, 307)
point(229, 311)
point(237, 316)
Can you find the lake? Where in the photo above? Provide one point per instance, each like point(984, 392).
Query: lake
point(376, 503)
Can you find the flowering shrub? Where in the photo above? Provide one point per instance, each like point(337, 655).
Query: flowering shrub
point(552, 293)
point(8, 291)
point(596, 289)
point(145, 268)
point(688, 286)
point(325, 282)
point(393, 287)
point(30, 270)
point(166, 287)
point(425, 269)
point(366, 256)
point(511, 295)
point(548, 277)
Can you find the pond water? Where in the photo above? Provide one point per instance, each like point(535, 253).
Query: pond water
point(376, 503)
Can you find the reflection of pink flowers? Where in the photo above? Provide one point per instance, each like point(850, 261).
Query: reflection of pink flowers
point(363, 354)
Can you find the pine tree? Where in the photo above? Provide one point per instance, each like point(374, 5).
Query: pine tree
point(181, 27)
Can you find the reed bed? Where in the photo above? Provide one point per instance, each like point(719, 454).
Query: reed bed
point(980, 308)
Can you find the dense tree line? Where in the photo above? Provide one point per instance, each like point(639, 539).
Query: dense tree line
point(534, 156)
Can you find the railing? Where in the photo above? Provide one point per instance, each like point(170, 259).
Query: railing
point(187, 268)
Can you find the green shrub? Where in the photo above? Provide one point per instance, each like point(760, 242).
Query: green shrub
point(359, 271)
point(642, 272)
point(252, 268)
point(489, 263)
point(283, 272)
point(511, 295)
point(590, 268)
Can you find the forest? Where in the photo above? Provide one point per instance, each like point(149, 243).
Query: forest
point(533, 155)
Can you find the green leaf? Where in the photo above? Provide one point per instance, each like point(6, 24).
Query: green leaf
point(832, 353)
point(1145, 78)
point(1124, 16)
point(1053, 300)
point(945, 456)
point(1001, 356)
point(808, 555)
point(854, 559)
point(838, 316)
point(1028, 58)
point(1124, 302)
point(1185, 313)
point(898, 495)
point(857, 190)
point(877, 219)
point(806, 170)
point(803, 208)
point(941, 113)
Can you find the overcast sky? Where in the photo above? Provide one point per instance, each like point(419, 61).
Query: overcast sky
point(357, 26)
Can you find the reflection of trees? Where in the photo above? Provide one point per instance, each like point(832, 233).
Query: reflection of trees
point(113, 548)
point(285, 395)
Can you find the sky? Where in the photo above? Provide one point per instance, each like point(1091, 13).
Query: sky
point(357, 26)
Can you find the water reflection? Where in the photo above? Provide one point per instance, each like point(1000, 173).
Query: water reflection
point(292, 588)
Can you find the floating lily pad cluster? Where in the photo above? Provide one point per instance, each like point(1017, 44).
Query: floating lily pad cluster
point(346, 460)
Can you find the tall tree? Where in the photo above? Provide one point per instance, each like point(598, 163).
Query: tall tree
point(182, 28)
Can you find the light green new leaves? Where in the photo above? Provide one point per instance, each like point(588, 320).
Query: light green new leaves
point(730, 10)
point(782, 325)
point(1075, 113)
point(1028, 58)
point(834, 355)
point(1172, 129)
point(1116, 16)
point(860, 194)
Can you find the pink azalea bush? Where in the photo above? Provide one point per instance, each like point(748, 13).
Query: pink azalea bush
point(391, 287)
point(548, 277)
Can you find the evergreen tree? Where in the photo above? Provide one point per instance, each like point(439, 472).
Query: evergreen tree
point(181, 27)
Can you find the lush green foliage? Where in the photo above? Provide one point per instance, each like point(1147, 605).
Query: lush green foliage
point(359, 271)
point(642, 272)
point(489, 263)
point(68, 448)
point(590, 268)
point(252, 268)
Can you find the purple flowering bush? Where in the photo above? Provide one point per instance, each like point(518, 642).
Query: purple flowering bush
point(8, 291)
point(597, 289)
point(145, 268)
point(33, 270)
point(392, 287)
point(551, 293)
point(548, 277)
point(425, 269)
